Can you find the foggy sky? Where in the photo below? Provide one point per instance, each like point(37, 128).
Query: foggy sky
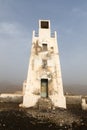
point(18, 18)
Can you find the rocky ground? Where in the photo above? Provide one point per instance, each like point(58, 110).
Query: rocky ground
point(14, 118)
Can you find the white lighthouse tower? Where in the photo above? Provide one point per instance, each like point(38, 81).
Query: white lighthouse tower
point(44, 79)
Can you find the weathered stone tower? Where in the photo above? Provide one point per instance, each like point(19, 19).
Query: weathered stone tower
point(44, 79)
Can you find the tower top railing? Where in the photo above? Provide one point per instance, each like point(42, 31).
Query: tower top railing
point(36, 34)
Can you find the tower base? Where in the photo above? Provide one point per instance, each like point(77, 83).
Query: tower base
point(31, 100)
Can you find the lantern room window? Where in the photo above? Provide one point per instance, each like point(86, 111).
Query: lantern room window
point(44, 24)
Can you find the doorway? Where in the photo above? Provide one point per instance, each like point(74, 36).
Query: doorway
point(44, 88)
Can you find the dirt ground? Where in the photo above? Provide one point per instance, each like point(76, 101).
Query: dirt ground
point(14, 118)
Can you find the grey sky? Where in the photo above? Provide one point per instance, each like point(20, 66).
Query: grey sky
point(18, 18)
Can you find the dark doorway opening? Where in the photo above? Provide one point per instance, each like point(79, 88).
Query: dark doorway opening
point(44, 88)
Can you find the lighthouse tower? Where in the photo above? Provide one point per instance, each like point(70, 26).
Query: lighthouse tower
point(44, 79)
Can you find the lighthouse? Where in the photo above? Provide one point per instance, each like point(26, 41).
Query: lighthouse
point(44, 80)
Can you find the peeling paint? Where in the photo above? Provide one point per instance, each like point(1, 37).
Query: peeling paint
point(44, 74)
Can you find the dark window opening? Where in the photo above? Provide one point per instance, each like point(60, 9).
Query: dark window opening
point(44, 47)
point(44, 24)
point(44, 63)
